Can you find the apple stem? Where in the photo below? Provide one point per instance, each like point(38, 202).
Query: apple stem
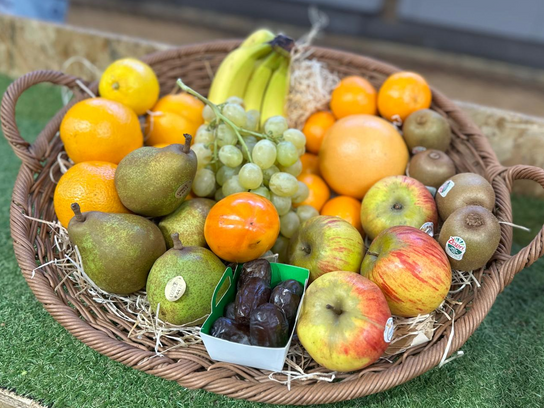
point(336, 311)
point(397, 206)
point(372, 253)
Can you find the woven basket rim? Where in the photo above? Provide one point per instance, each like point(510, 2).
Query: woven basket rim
point(221, 380)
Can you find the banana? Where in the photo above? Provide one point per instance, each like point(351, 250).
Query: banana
point(276, 93)
point(258, 82)
point(234, 72)
point(258, 37)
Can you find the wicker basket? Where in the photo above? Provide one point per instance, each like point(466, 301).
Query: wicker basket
point(191, 367)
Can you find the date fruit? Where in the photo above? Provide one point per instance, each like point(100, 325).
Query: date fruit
point(268, 326)
point(259, 268)
point(254, 293)
point(227, 329)
point(229, 311)
point(292, 286)
point(287, 302)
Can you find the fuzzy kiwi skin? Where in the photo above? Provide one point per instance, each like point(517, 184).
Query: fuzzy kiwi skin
point(431, 167)
point(469, 189)
point(428, 129)
point(479, 229)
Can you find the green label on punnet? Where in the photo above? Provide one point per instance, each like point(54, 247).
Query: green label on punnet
point(445, 188)
point(388, 331)
point(456, 248)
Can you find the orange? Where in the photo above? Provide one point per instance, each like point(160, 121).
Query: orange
point(310, 164)
point(91, 185)
point(161, 145)
point(315, 128)
point(347, 208)
point(319, 191)
point(132, 83)
point(100, 129)
point(353, 95)
point(402, 94)
point(242, 227)
point(182, 104)
point(358, 151)
point(167, 127)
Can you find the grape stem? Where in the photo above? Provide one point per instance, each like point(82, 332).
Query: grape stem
point(219, 115)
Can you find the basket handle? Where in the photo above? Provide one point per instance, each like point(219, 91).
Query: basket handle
point(31, 154)
point(532, 252)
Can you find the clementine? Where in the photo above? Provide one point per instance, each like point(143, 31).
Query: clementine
point(91, 185)
point(167, 127)
point(402, 94)
point(347, 208)
point(100, 129)
point(310, 164)
point(358, 151)
point(182, 104)
point(353, 95)
point(315, 128)
point(242, 227)
point(319, 191)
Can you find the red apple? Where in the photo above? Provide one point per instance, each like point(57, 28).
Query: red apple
point(397, 200)
point(326, 244)
point(345, 323)
point(410, 268)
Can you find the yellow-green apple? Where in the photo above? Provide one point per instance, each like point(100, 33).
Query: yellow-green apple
point(397, 200)
point(345, 323)
point(410, 268)
point(325, 244)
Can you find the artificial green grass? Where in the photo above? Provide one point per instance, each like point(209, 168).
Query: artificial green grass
point(503, 365)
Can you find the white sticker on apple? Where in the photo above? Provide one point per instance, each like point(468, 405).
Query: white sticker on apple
point(388, 331)
point(445, 188)
point(175, 288)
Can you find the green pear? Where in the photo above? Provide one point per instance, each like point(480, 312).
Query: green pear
point(189, 220)
point(154, 182)
point(181, 283)
point(117, 250)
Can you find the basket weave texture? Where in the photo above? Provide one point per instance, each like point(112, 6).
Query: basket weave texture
point(191, 367)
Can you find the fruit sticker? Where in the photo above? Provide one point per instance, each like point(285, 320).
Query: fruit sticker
point(445, 188)
point(175, 288)
point(456, 248)
point(428, 228)
point(388, 331)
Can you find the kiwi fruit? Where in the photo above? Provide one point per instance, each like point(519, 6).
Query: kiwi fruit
point(427, 128)
point(461, 190)
point(470, 236)
point(431, 167)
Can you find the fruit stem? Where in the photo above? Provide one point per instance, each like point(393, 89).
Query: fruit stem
point(372, 254)
point(336, 311)
point(226, 120)
point(187, 145)
point(77, 212)
point(397, 206)
point(177, 242)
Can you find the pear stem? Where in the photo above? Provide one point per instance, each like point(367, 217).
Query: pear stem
point(177, 242)
point(187, 145)
point(77, 212)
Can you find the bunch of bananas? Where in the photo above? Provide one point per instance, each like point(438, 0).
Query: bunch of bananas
point(257, 72)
